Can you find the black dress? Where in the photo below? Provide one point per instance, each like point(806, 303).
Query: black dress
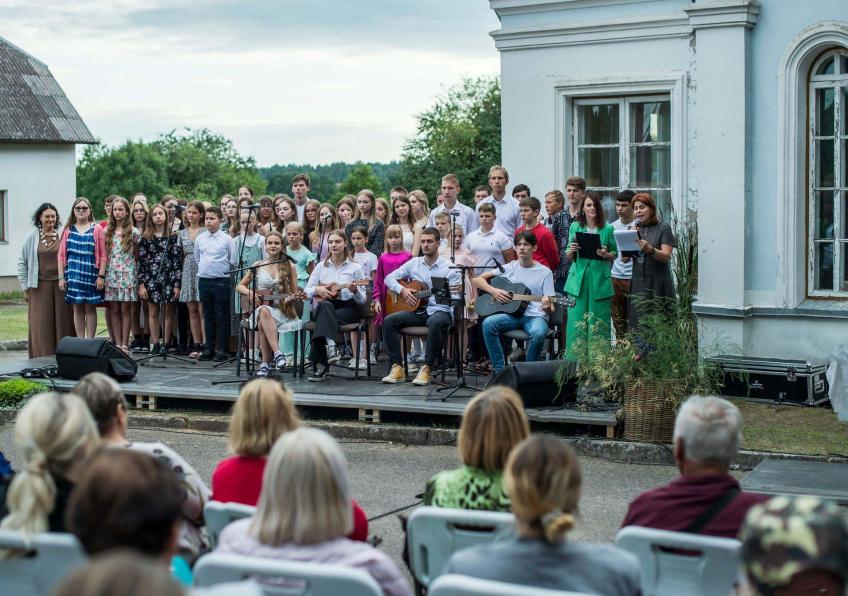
point(376, 234)
point(651, 278)
point(160, 288)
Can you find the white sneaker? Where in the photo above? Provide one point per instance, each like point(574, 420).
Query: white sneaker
point(411, 366)
point(373, 356)
point(363, 364)
point(333, 355)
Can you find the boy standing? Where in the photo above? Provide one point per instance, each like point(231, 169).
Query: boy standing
point(621, 271)
point(300, 190)
point(546, 251)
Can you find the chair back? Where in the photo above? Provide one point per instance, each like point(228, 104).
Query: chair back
point(50, 557)
point(219, 515)
point(462, 585)
point(557, 317)
point(433, 534)
point(682, 563)
point(285, 577)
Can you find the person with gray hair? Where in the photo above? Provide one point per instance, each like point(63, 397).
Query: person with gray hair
point(304, 512)
point(705, 499)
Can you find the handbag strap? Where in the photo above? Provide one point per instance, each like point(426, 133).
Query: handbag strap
point(713, 510)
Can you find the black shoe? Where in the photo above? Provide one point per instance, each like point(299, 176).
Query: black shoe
point(135, 344)
point(221, 356)
point(157, 349)
point(207, 355)
point(144, 343)
point(320, 374)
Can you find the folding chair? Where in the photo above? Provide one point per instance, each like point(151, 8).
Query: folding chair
point(556, 321)
point(435, 533)
point(50, 557)
point(676, 563)
point(292, 577)
point(462, 585)
point(219, 515)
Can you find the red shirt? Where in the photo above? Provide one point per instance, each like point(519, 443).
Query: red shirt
point(546, 252)
point(239, 480)
point(678, 504)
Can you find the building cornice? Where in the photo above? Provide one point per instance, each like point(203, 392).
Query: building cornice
point(513, 7)
point(723, 13)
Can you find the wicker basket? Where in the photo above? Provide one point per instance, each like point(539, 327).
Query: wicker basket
point(649, 410)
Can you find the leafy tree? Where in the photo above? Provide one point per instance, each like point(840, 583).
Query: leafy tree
point(361, 176)
point(460, 134)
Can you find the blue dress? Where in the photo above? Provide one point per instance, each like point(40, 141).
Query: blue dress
point(81, 271)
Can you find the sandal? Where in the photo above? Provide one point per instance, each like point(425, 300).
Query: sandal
point(195, 351)
point(280, 361)
point(263, 371)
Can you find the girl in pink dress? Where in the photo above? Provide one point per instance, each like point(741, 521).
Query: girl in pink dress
point(393, 257)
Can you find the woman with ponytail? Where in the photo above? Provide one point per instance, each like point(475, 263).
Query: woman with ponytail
point(543, 482)
point(54, 433)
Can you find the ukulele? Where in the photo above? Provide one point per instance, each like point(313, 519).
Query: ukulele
point(272, 297)
point(334, 288)
point(396, 303)
point(487, 305)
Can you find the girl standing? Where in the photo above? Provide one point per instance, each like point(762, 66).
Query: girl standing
point(160, 259)
point(382, 210)
point(393, 257)
point(189, 293)
point(304, 261)
point(328, 220)
point(368, 261)
point(271, 319)
point(420, 208)
point(121, 280)
point(229, 207)
point(402, 216)
point(266, 215)
point(310, 217)
point(345, 208)
point(140, 331)
point(286, 213)
point(250, 249)
point(366, 216)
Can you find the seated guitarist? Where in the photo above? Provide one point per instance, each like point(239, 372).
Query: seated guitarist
point(437, 317)
point(539, 281)
point(332, 285)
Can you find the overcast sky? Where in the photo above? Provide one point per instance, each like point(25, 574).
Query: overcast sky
point(288, 80)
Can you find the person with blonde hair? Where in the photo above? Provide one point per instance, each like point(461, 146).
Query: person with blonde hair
point(420, 208)
point(493, 423)
point(304, 512)
point(543, 480)
point(55, 432)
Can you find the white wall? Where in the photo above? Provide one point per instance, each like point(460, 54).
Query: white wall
point(31, 175)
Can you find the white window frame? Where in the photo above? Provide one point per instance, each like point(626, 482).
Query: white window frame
point(4, 215)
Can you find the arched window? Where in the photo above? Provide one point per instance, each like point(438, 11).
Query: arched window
point(827, 176)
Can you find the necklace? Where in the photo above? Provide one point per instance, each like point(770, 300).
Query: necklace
point(45, 240)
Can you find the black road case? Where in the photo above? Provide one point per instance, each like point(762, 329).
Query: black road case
point(771, 379)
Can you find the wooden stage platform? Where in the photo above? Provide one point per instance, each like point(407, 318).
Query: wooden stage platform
point(368, 398)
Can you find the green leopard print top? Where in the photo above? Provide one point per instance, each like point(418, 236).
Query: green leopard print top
point(467, 488)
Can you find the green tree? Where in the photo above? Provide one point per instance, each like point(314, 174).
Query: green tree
point(360, 176)
point(460, 134)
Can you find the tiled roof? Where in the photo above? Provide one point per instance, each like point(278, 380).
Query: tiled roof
point(33, 108)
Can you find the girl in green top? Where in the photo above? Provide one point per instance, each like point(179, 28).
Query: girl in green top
point(589, 282)
point(304, 261)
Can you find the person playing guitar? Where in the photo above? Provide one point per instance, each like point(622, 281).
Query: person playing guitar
point(337, 287)
point(539, 281)
point(437, 317)
point(276, 290)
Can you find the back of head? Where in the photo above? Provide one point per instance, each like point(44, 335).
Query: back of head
point(55, 432)
point(125, 499)
point(790, 541)
point(709, 430)
point(493, 423)
point(264, 411)
point(542, 480)
point(103, 397)
point(120, 573)
point(305, 496)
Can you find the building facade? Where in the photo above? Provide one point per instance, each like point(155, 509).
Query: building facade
point(733, 112)
point(39, 130)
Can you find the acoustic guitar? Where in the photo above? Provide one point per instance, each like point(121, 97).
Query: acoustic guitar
point(519, 299)
point(396, 303)
point(334, 288)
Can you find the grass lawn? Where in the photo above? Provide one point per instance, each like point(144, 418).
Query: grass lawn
point(793, 429)
point(13, 322)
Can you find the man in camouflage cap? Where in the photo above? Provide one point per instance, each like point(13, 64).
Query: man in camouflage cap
point(795, 545)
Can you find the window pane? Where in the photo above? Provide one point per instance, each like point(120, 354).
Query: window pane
point(844, 116)
point(824, 164)
point(843, 60)
point(663, 199)
point(650, 122)
point(650, 166)
point(843, 232)
point(824, 112)
point(827, 67)
point(844, 267)
point(824, 215)
point(597, 125)
point(824, 266)
point(598, 166)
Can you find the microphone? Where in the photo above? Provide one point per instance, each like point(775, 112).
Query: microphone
point(635, 226)
point(326, 217)
point(254, 206)
point(498, 265)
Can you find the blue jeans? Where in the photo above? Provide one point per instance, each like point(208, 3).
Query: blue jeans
point(493, 326)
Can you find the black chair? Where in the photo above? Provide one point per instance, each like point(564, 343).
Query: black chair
point(556, 320)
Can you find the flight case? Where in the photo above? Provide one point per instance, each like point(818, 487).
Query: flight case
point(771, 379)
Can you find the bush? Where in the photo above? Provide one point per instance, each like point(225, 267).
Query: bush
point(15, 391)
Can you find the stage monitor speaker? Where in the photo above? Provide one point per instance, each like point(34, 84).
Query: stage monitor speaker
point(76, 357)
point(536, 382)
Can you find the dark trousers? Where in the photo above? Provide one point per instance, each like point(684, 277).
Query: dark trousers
point(183, 326)
point(215, 295)
point(328, 315)
point(620, 299)
point(437, 324)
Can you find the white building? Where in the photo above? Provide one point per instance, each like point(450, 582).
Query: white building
point(38, 131)
point(733, 111)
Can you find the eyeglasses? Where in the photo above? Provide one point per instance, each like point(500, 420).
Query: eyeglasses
point(80, 208)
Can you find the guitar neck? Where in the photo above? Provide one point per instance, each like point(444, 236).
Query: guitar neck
point(527, 297)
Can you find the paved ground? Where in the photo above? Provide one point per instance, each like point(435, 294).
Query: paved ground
point(385, 476)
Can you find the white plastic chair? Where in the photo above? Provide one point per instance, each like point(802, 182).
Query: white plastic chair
point(219, 515)
point(433, 534)
point(711, 569)
point(292, 577)
point(53, 556)
point(462, 585)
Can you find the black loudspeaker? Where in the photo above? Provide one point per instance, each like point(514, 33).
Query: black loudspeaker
point(77, 356)
point(536, 382)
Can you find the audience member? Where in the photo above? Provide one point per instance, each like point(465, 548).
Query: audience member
point(705, 499)
point(55, 432)
point(263, 413)
point(120, 573)
point(543, 481)
point(795, 545)
point(304, 512)
point(109, 407)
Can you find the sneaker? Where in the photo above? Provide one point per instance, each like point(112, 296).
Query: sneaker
point(207, 355)
point(363, 364)
point(411, 366)
point(416, 358)
point(333, 354)
point(221, 356)
point(135, 345)
point(263, 371)
point(279, 361)
point(373, 356)
point(395, 375)
point(423, 376)
point(347, 353)
point(156, 349)
point(320, 375)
